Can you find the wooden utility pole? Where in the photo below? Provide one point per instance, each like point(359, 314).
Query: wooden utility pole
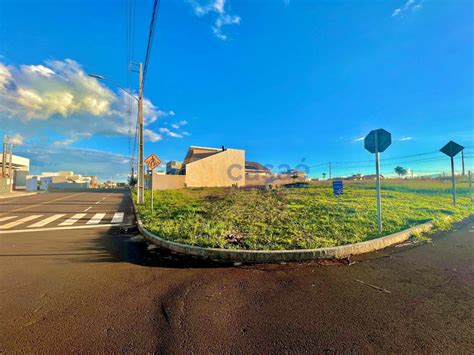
point(4, 157)
point(10, 167)
point(141, 170)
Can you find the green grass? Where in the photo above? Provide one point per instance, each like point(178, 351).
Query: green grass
point(298, 218)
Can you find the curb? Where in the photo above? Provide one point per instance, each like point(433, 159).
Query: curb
point(265, 256)
point(12, 195)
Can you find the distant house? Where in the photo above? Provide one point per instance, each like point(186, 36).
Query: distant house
point(218, 167)
point(252, 167)
point(371, 177)
point(204, 167)
point(173, 167)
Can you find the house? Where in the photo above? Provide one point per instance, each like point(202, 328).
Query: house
point(252, 167)
point(173, 167)
point(372, 177)
point(204, 167)
point(218, 167)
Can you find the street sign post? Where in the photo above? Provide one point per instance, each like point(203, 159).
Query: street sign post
point(376, 142)
point(451, 149)
point(152, 161)
point(337, 187)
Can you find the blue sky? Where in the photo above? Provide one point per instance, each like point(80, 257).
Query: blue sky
point(289, 81)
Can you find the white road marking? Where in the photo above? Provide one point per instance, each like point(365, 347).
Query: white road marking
point(46, 221)
point(118, 217)
point(87, 209)
point(96, 219)
point(56, 228)
point(7, 218)
point(97, 202)
point(73, 219)
point(20, 221)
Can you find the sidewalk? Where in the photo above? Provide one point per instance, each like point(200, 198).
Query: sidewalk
point(17, 194)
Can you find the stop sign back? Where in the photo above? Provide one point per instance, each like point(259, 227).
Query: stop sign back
point(378, 140)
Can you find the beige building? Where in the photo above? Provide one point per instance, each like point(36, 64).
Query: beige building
point(204, 167)
point(217, 167)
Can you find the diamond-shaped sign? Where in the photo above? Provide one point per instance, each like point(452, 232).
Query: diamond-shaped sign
point(379, 136)
point(152, 161)
point(451, 149)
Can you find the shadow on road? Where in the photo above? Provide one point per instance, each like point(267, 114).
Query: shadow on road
point(132, 248)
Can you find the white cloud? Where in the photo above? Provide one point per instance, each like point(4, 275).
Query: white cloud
point(410, 5)
point(40, 69)
point(59, 96)
point(179, 124)
point(359, 139)
point(5, 77)
point(169, 133)
point(151, 135)
point(404, 139)
point(17, 139)
point(217, 9)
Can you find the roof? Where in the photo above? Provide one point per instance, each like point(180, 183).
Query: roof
point(198, 153)
point(252, 166)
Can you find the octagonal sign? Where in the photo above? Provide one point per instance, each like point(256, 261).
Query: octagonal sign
point(378, 140)
point(451, 149)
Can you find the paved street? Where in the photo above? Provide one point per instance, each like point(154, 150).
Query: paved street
point(83, 286)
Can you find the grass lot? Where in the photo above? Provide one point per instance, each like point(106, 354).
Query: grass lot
point(298, 218)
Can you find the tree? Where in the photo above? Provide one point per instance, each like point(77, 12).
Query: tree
point(401, 171)
point(324, 175)
point(132, 181)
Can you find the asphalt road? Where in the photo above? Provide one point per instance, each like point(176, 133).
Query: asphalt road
point(94, 289)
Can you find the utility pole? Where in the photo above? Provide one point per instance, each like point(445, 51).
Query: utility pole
point(462, 160)
point(329, 165)
point(4, 157)
point(141, 170)
point(10, 170)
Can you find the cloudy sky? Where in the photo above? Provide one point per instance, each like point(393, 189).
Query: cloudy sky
point(291, 82)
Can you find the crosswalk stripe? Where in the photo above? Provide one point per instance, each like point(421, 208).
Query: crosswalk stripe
point(7, 218)
point(46, 221)
point(117, 218)
point(20, 221)
point(96, 219)
point(73, 219)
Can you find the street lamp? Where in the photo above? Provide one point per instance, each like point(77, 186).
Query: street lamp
point(139, 99)
point(101, 77)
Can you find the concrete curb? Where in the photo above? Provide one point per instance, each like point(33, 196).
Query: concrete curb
point(17, 195)
point(265, 256)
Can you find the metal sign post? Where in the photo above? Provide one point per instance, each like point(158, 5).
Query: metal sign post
point(152, 161)
point(151, 187)
point(451, 149)
point(376, 142)
point(469, 173)
point(379, 197)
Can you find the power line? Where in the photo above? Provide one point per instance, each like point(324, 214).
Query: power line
point(150, 40)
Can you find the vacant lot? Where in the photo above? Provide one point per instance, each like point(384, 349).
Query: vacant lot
point(302, 217)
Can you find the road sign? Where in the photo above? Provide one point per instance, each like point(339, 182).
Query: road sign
point(337, 187)
point(451, 149)
point(377, 141)
point(152, 161)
